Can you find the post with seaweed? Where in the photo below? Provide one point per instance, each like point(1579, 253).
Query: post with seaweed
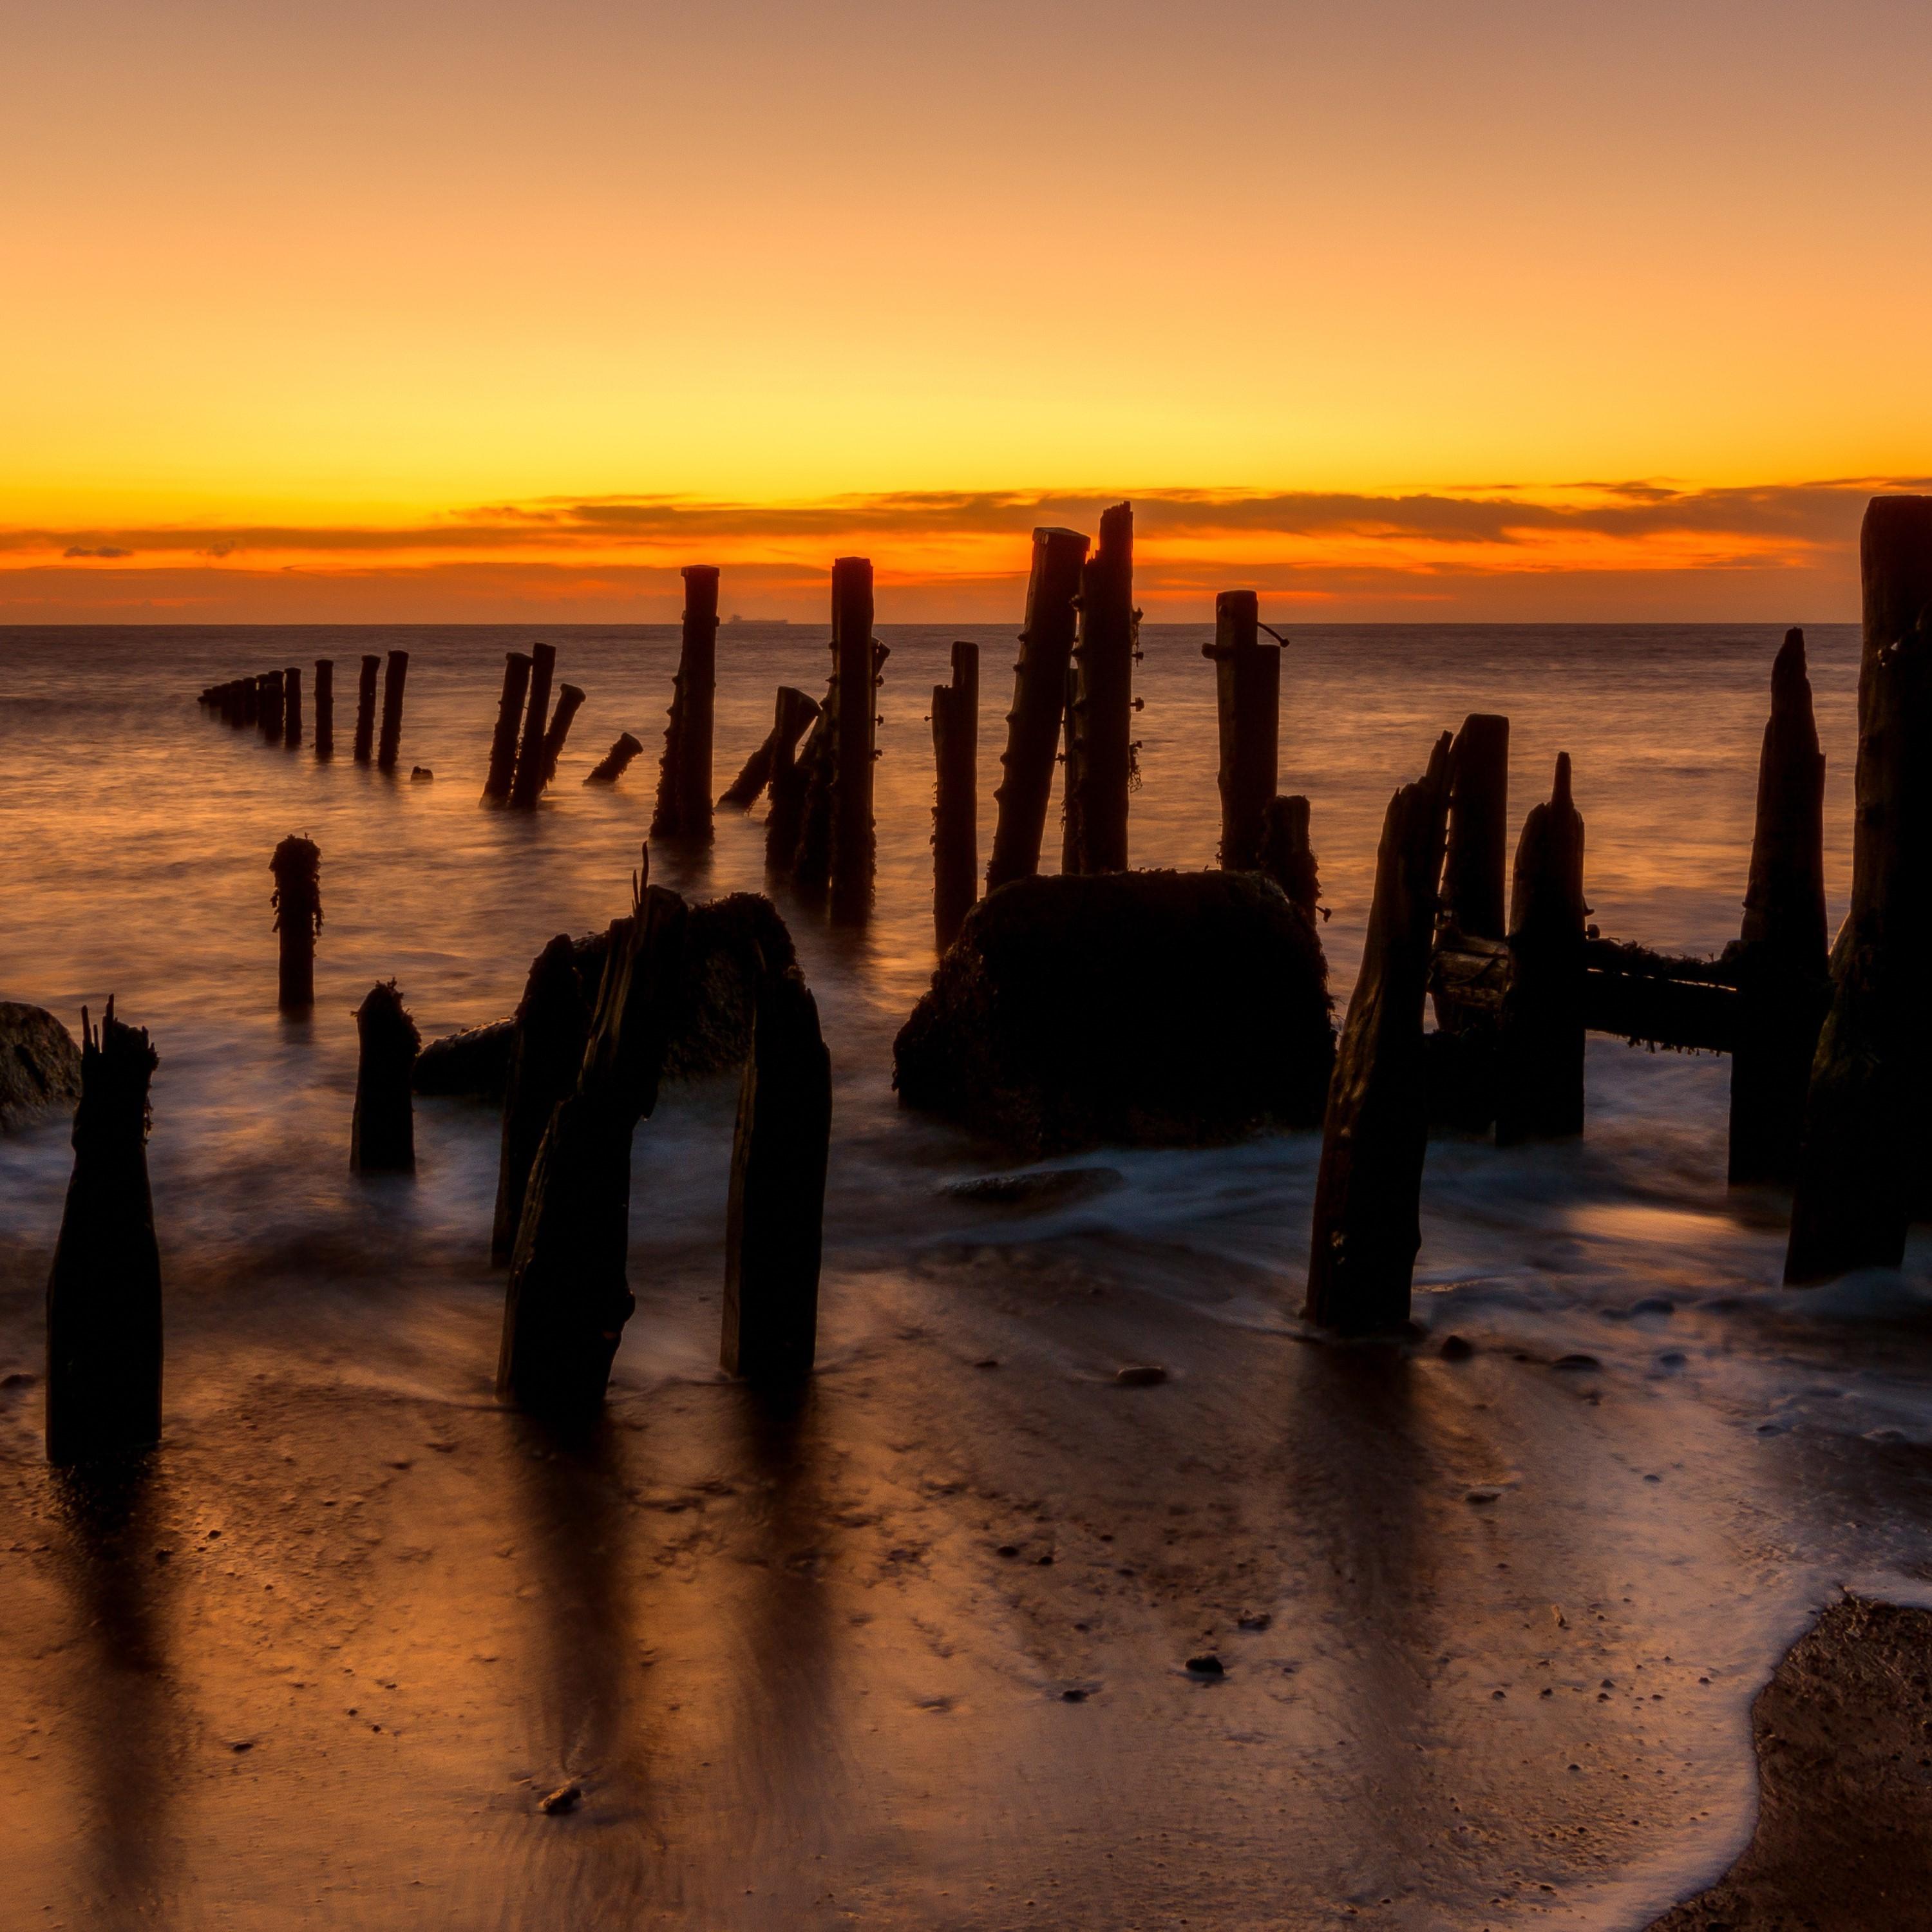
point(683, 808)
point(503, 740)
point(393, 674)
point(381, 1133)
point(325, 708)
point(365, 709)
point(1100, 703)
point(956, 836)
point(569, 702)
point(1287, 855)
point(776, 754)
point(615, 763)
point(527, 784)
point(1247, 706)
point(297, 900)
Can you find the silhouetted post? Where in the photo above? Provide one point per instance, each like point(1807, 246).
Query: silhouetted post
point(1040, 698)
point(775, 1218)
point(569, 701)
point(393, 674)
point(292, 722)
point(365, 709)
point(955, 829)
point(1472, 880)
point(528, 782)
point(615, 762)
point(1783, 968)
point(553, 1021)
point(1361, 1258)
point(104, 1295)
point(297, 901)
point(325, 707)
point(381, 1133)
point(1863, 1163)
point(1100, 703)
point(684, 779)
point(269, 687)
point(1540, 1063)
point(794, 711)
point(249, 689)
point(509, 715)
point(1287, 856)
point(856, 659)
point(1247, 705)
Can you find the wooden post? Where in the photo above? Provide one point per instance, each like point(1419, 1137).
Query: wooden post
point(552, 1022)
point(569, 701)
point(1539, 1047)
point(269, 687)
point(250, 691)
point(1040, 698)
point(325, 707)
point(794, 711)
point(528, 782)
point(1783, 964)
point(292, 718)
point(791, 793)
point(775, 1220)
point(381, 1133)
point(1367, 1226)
point(1472, 880)
point(395, 672)
point(365, 709)
point(104, 1295)
point(955, 831)
point(615, 762)
point(1100, 703)
point(297, 901)
point(1288, 857)
point(1863, 1162)
point(1247, 704)
point(856, 659)
point(684, 779)
point(509, 715)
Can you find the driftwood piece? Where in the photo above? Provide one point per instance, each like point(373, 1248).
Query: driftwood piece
point(615, 762)
point(956, 812)
point(502, 769)
point(297, 900)
point(104, 1294)
point(1367, 1226)
point(381, 1132)
point(1100, 703)
point(1473, 873)
point(1864, 1162)
point(552, 1023)
point(1782, 959)
point(1288, 857)
point(776, 755)
point(775, 1217)
point(528, 780)
point(365, 709)
point(292, 708)
point(1040, 698)
point(684, 779)
point(1247, 707)
point(395, 672)
point(325, 707)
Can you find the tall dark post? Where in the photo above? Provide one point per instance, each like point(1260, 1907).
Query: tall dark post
point(1287, 855)
point(1361, 1259)
point(955, 831)
point(528, 782)
point(509, 714)
point(397, 669)
point(381, 1133)
point(684, 779)
point(1472, 880)
point(1100, 704)
point(365, 709)
point(104, 1295)
point(268, 686)
point(1040, 699)
point(292, 718)
point(297, 901)
point(856, 667)
point(325, 707)
point(1864, 1163)
point(1783, 967)
point(1247, 704)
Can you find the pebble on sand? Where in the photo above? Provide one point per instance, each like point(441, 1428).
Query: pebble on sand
point(1206, 1665)
point(565, 1798)
point(1140, 1375)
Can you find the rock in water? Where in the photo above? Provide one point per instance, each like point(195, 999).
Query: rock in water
point(39, 1065)
point(1148, 1009)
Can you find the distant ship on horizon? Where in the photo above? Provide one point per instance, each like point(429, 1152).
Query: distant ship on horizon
point(735, 619)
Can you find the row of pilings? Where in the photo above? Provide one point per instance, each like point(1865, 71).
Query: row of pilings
point(271, 704)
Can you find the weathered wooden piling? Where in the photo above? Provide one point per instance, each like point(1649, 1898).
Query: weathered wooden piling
point(792, 784)
point(1367, 1227)
point(527, 784)
point(569, 702)
point(268, 705)
point(1040, 700)
point(1782, 959)
point(683, 809)
point(1100, 703)
point(1247, 706)
point(292, 711)
point(248, 692)
point(381, 1133)
point(615, 762)
point(365, 709)
point(297, 901)
point(1865, 1158)
point(552, 1022)
point(393, 674)
point(1539, 1044)
point(956, 813)
point(835, 846)
point(325, 707)
point(103, 1394)
point(794, 711)
point(1288, 857)
point(509, 714)
point(1473, 875)
point(775, 1219)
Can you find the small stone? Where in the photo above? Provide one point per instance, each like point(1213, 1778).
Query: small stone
point(1577, 1363)
point(1455, 1348)
point(565, 1798)
point(18, 1378)
point(1140, 1375)
point(1654, 1304)
point(1206, 1665)
point(1255, 1620)
point(420, 774)
point(987, 1362)
point(238, 1745)
point(1007, 1550)
point(1485, 1496)
point(1073, 1696)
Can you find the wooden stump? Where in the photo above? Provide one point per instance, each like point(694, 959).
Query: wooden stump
point(791, 783)
point(104, 1294)
point(268, 705)
point(1781, 959)
point(297, 901)
point(503, 740)
point(956, 830)
point(1367, 1193)
point(292, 715)
point(1863, 1160)
point(552, 1025)
point(615, 762)
point(365, 709)
point(1247, 704)
point(1472, 879)
point(395, 673)
point(684, 779)
point(1288, 857)
point(381, 1133)
point(1100, 703)
point(569, 702)
point(325, 707)
point(777, 1208)
point(528, 782)
point(794, 712)
point(1040, 699)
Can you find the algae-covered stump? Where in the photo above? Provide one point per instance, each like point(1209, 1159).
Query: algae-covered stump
point(381, 1133)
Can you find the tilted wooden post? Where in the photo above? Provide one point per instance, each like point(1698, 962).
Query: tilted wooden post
point(775, 1217)
point(1539, 1047)
point(365, 709)
point(1247, 704)
point(955, 829)
point(104, 1295)
point(1100, 703)
point(792, 787)
point(1472, 879)
point(325, 707)
point(552, 1022)
point(794, 711)
point(381, 1132)
point(297, 901)
point(503, 740)
point(292, 717)
point(393, 674)
point(528, 782)
point(1367, 1228)
point(1287, 856)
point(609, 769)
point(268, 686)
point(569, 702)
point(1040, 699)
point(1783, 963)
point(684, 779)
point(1864, 1163)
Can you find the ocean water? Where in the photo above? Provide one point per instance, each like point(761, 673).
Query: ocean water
point(912, 1654)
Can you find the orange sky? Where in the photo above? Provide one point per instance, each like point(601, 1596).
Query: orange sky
point(484, 311)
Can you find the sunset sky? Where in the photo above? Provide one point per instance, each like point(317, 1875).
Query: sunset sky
point(1434, 311)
